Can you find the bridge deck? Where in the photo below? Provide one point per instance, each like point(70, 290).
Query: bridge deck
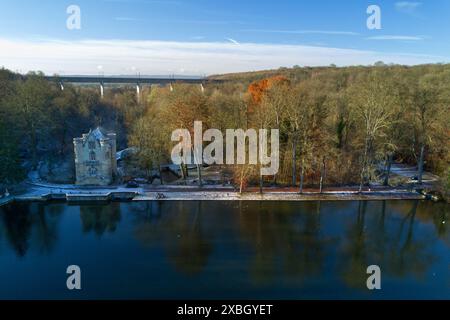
point(126, 80)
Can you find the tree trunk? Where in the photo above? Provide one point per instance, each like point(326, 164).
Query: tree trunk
point(148, 174)
point(183, 173)
point(160, 175)
point(364, 164)
point(33, 148)
point(388, 168)
point(199, 169)
point(302, 175)
point(322, 174)
point(294, 162)
point(261, 183)
point(420, 168)
point(63, 142)
point(241, 182)
point(199, 175)
point(361, 181)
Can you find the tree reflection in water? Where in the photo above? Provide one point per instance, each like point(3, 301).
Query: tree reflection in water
point(180, 230)
point(408, 253)
point(355, 250)
point(100, 218)
point(258, 244)
point(288, 241)
point(392, 244)
point(30, 225)
point(284, 242)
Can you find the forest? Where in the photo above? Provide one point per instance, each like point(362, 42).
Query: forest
point(338, 125)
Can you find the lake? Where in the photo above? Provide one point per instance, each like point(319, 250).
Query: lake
point(225, 250)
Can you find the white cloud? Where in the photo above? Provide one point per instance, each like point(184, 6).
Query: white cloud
point(194, 58)
point(393, 37)
point(407, 6)
point(324, 32)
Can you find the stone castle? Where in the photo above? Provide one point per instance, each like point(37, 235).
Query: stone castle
point(95, 158)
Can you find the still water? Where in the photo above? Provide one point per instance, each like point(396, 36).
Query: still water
point(229, 250)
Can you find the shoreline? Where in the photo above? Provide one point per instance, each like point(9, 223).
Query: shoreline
point(35, 189)
point(283, 196)
point(73, 194)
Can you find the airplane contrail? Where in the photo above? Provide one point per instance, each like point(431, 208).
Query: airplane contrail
point(232, 40)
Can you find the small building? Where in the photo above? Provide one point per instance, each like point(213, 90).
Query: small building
point(95, 158)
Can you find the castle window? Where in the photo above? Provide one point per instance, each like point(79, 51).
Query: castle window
point(92, 171)
point(92, 156)
point(91, 145)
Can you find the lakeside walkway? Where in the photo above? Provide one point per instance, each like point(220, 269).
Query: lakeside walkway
point(38, 190)
point(71, 193)
point(279, 196)
point(411, 172)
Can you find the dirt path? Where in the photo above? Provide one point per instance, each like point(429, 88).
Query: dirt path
point(410, 172)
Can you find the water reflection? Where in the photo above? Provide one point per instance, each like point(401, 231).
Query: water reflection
point(256, 244)
point(388, 240)
point(180, 230)
point(408, 252)
point(25, 225)
point(283, 240)
point(100, 218)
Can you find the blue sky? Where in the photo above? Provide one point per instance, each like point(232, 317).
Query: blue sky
point(216, 36)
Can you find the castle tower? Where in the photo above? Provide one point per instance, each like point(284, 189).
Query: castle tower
point(95, 158)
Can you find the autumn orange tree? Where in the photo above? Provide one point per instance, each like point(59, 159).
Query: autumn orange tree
point(258, 89)
point(266, 101)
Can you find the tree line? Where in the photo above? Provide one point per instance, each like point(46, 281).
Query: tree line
point(38, 120)
point(338, 126)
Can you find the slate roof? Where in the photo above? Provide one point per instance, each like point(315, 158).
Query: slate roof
point(98, 134)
